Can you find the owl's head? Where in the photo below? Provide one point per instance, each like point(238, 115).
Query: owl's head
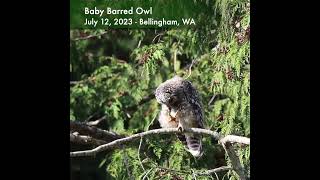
point(171, 92)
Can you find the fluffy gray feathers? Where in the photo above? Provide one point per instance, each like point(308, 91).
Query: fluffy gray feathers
point(181, 108)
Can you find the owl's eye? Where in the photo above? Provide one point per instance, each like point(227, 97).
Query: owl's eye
point(172, 99)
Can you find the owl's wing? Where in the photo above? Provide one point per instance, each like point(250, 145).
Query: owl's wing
point(199, 115)
point(193, 98)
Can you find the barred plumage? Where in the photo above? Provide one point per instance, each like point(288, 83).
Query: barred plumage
point(181, 108)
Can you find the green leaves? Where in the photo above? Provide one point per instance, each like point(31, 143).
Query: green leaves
point(149, 56)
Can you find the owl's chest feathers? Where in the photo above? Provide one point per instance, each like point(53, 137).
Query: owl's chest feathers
point(170, 118)
point(166, 121)
point(185, 116)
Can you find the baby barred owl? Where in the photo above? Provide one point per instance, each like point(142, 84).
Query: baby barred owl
point(181, 108)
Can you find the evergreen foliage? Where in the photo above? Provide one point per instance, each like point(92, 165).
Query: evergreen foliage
point(115, 70)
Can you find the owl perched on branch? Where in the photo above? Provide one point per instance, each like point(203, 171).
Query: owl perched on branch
point(181, 108)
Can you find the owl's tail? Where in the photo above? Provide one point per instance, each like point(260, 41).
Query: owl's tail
point(192, 143)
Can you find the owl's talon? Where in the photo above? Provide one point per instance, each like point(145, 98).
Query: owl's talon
point(180, 128)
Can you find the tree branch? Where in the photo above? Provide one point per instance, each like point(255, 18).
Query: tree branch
point(225, 141)
point(90, 36)
point(96, 122)
point(139, 155)
point(234, 160)
point(173, 170)
point(190, 68)
point(85, 140)
point(158, 35)
point(211, 100)
point(74, 82)
point(94, 132)
point(118, 142)
point(235, 139)
point(215, 170)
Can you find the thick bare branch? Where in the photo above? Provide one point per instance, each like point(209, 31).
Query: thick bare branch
point(94, 132)
point(118, 142)
point(235, 139)
point(85, 140)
